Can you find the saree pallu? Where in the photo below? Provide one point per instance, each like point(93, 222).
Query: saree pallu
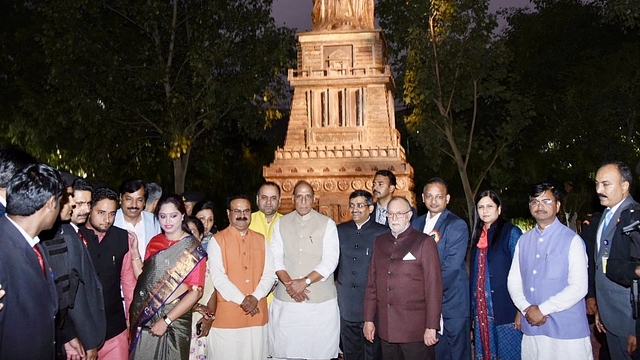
point(161, 276)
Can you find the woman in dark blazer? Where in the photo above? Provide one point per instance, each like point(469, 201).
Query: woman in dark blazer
point(493, 242)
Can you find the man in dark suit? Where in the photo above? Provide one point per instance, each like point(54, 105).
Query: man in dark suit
point(613, 315)
point(27, 323)
point(356, 248)
point(452, 237)
point(384, 186)
point(81, 321)
point(404, 289)
point(108, 246)
point(12, 160)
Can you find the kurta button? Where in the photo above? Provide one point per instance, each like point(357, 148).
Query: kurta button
point(531, 288)
point(356, 246)
point(246, 281)
point(391, 257)
point(353, 273)
point(388, 289)
point(537, 256)
point(388, 305)
point(353, 286)
point(354, 259)
point(389, 272)
point(535, 272)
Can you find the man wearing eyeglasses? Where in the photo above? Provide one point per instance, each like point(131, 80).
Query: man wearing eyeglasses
point(548, 282)
point(356, 248)
point(304, 317)
point(404, 289)
point(452, 237)
point(243, 273)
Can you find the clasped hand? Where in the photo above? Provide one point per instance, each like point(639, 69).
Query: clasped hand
point(534, 316)
point(297, 289)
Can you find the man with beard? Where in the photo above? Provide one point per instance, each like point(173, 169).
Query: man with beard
point(81, 318)
point(27, 329)
point(404, 289)
point(131, 215)
point(548, 282)
point(452, 237)
point(268, 201)
point(356, 248)
point(243, 273)
point(112, 255)
point(304, 316)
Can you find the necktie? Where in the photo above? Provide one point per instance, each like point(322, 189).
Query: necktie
point(608, 214)
point(84, 240)
point(40, 258)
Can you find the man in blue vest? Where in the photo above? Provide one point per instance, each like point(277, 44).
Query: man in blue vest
point(548, 283)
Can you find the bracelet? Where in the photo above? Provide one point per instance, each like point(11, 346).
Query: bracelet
point(134, 259)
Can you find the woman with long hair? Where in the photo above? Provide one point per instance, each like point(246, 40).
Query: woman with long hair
point(493, 243)
point(169, 286)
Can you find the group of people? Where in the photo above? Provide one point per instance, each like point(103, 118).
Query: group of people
point(88, 273)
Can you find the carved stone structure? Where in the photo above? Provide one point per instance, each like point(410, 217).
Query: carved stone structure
point(342, 124)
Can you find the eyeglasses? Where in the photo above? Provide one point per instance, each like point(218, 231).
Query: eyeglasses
point(397, 215)
point(358, 205)
point(240, 212)
point(536, 202)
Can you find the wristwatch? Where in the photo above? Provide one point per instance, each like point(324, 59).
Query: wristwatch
point(307, 280)
point(167, 320)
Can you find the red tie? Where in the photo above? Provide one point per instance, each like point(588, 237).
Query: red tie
point(84, 240)
point(40, 258)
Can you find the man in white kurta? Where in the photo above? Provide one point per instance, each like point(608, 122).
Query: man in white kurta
point(304, 316)
point(242, 269)
point(548, 282)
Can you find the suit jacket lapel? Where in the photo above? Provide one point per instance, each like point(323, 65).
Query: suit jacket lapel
point(441, 220)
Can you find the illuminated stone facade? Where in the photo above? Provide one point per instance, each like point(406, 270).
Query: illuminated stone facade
point(342, 126)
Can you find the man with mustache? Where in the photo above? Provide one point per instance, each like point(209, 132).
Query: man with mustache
point(242, 268)
point(82, 198)
point(548, 282)
point(131, 215)
point(356, 248)
point(113, 253)
point(609, 299)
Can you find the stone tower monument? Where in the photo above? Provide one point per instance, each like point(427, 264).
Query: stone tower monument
point(342, 124)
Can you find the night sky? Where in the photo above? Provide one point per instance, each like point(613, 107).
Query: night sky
point(297, 13)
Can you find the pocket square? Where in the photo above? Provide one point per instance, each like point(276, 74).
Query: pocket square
point(409, 256)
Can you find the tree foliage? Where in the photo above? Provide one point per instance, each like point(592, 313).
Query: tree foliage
point(139, 85)
point(455, 82)
point(580, 74)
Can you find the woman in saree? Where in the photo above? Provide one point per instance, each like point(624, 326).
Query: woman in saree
point(493, 242)
point(169, 286)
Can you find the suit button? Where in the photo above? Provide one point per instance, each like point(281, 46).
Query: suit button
point(354, 286)
point(356, 246)
point(354, 259)
point(353, 273)
point(389, 272)
point(391, 257)
point(388, 289)
point(388, 305)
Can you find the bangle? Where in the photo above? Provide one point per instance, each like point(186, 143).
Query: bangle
point(138, 258)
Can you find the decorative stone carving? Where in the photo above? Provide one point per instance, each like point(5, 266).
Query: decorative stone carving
point(342, 15)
